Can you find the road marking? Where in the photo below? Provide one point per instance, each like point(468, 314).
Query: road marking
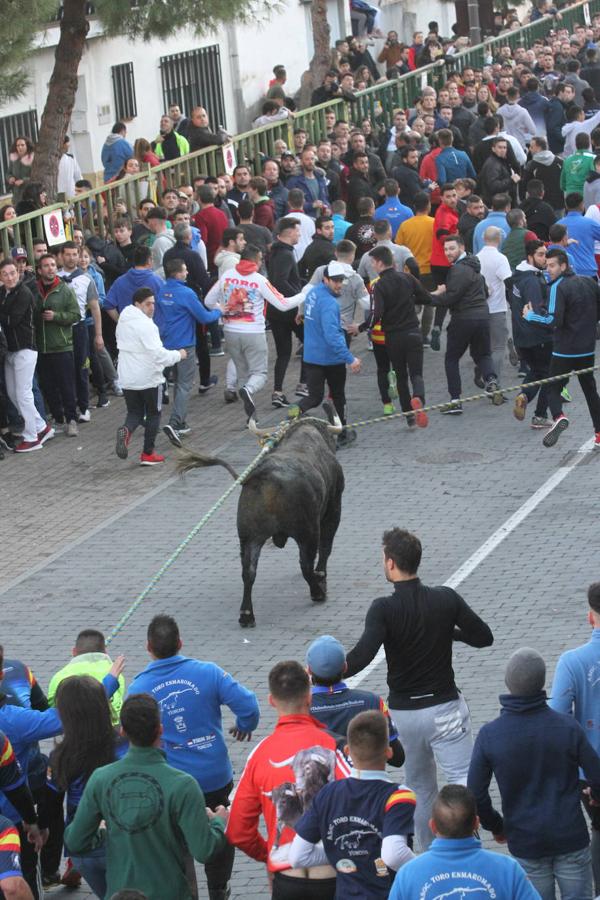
point(494, 540)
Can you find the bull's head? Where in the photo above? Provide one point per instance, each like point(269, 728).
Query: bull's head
point(334, 424)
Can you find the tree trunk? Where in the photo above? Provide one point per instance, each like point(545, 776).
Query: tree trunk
point(313, 77)
point(61, 94)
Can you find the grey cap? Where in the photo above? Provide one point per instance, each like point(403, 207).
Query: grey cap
point(525, 672)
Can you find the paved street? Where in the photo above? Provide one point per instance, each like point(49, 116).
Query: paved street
point(83, 533)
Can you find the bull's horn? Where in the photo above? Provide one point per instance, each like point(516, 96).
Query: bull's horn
point(283, 763)
point(337, 426)
point(259, 432)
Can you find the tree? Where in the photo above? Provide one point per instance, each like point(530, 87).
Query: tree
point(18, 33)
point(313, 77)
point(145, 19)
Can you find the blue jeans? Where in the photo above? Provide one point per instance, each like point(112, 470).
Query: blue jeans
point(572, 872)
point(93, 868)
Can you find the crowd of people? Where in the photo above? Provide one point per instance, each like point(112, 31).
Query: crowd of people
point(139, 783)
point(475, 206)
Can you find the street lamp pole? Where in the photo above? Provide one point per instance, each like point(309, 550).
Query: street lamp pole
point(474, 27)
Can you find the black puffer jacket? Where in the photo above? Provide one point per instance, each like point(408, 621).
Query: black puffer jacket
point(16, 318)
point(466, 290)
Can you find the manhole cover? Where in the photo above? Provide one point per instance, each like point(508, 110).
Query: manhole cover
point(444, 457)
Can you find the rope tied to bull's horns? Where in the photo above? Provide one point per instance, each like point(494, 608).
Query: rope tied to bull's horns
point(269, 443)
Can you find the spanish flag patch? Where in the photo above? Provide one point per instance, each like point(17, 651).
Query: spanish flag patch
point(404, 795)
point(9, 841)
point(7, 755)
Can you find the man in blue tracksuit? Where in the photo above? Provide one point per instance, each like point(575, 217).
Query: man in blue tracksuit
point(326, 352)
point(190, 694)
point(456, 864)
point(573, 313)
point(576, 692)
point(177, 312)
point(535, 755)
point(584, 232)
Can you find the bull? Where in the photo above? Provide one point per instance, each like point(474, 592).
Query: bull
point(295, 492)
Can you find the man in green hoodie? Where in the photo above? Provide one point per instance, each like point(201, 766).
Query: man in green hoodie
point(152, 812)
point(56, 311)
point(577, 166)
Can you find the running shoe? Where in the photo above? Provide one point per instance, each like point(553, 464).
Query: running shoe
point(71, 877)
point(47, 434)
point(71, 429)
point(229, 395)
point(84, 416)
point(173, 435)
point(566, 395)
point(434, 339)
point(279, 400)
point(491, 388)
point(541, 422)
point(204, 388)
point(246, 398)
point(123, 438)
point(558, 426)
point(392, 384)
point(102, 401)
point(388, 409)
point(217, 352)
point(347, 437)
point(513, 356)
point(151, 459)
point(454, 408)
point(28, 446)
point(411, 422)
point(421, 418)
point(301, 390)
point(520, 407)
point(184, 429)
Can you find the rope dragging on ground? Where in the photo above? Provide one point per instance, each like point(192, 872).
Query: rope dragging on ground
point(484, 395)
point(269, 444)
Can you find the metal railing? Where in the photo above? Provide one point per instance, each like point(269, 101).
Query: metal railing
point(95, 209)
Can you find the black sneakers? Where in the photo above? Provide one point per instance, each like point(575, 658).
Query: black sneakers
point(550, 438)
point(246, 398)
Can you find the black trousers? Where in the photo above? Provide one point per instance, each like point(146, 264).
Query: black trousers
point(560, 364)
point(282, 330)
point(382, 361)
point(30, 865)
point(439, 275)
point(203, 355)
point(463, 335)
point(219, 867)
point(146, 404)
point(405, 351)
point(98, 377)
point(316, 376)
point(57, 380)
point(81, 360)
point(286, 888)
point(537, 359)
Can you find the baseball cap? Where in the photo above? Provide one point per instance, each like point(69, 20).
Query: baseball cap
point(326, 657)
point(335, 270)
point(18, 253)
point(288, 153)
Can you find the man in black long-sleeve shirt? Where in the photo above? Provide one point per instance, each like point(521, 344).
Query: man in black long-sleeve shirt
point(285, 277)
point(417, 626)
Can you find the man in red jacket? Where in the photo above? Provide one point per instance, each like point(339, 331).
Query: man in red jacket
point(281, 778)
point(445, 222)
point(264, 209)
point(212, 222)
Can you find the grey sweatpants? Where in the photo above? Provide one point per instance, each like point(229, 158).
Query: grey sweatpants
point(250, 355)
point(498, 339)
point(434, 736)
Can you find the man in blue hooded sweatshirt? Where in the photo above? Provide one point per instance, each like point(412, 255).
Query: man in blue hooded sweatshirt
point(535, 755)
point(178, 309)
point(576, 692)
point(326, 352)
point(124, 287)
point(190, 694)
point(115, 151)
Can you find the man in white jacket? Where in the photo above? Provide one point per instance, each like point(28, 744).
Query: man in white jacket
point(142, 359)
point(242, 293)
point(517, 121)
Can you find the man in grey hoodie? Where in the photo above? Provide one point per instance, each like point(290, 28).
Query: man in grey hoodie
point(546, 167)
point(164, 239)
point(517, 120)
point(591, 187)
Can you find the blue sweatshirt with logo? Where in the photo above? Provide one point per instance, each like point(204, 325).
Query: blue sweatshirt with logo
point(176, 313)
point(576, 687)
point(459, 867)
point(324, 341)
point(190, 694)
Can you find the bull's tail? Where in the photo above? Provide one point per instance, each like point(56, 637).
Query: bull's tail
point(190, 459)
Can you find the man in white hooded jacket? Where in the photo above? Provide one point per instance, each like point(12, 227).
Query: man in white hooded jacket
point(142, 359)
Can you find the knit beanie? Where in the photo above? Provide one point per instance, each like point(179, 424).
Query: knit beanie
point(525, 672)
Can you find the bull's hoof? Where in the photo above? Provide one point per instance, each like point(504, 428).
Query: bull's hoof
point(319, 590)
point(319, 598)
point(247, 620)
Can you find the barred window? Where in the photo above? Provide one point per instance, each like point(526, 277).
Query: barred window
point(193, 78)
point(22, 124)
point(124, 91)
